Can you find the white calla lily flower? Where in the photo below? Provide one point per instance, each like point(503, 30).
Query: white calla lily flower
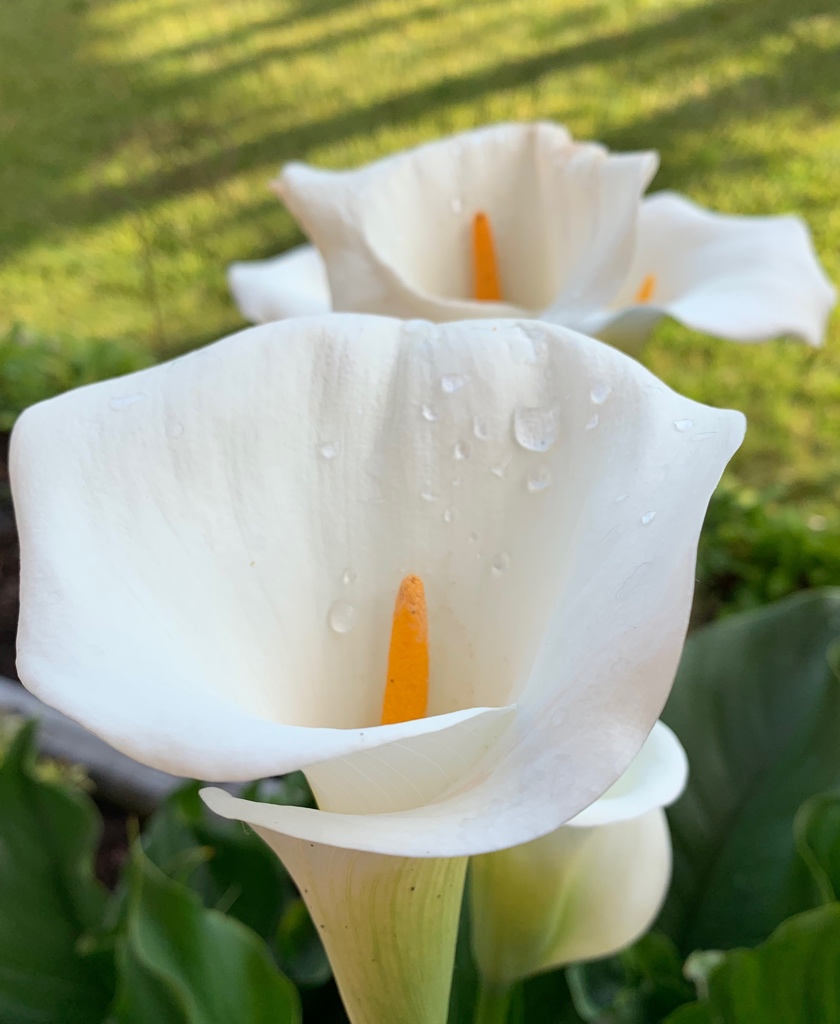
point(588, 889)
point(210, 551)
point(575, 244)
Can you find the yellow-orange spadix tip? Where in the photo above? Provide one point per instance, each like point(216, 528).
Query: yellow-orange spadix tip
point(407, 686)
point(486, 270)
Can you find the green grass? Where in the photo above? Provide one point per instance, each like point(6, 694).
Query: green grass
point(137, 137)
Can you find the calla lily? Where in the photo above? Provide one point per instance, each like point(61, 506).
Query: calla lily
point(210, 551)
point(575, 244)
point(588, 889)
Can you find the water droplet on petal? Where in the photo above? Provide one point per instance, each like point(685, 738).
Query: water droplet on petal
point(328, 450)
point(448, 515)
point(473, 537)
point(480, 428)
point(452, 382)
point(429, 413)
point(538, 480)
point(683, 425)
point(462, 450)
point(457, 204)
point(648, 518)
point(536, 429)
point(593, 422)
point(600, 393)
point(622, 497)
point(341, 616)
point(350, 576)
point(500, 468)
point(124, 401)
point(500, 562)
point(427, 494)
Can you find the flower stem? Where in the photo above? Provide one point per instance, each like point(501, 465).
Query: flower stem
point(493, 1004)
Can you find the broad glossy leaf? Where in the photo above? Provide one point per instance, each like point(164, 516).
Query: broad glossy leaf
point(793, 978)
point(817, 829)
point(756, 705)
point(180, 963)
point(49, 898)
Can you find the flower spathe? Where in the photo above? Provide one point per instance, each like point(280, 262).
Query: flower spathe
point(577, 244)
point(589, 888)
point(210, 551)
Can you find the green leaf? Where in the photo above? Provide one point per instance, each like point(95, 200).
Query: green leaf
point(793, 978)
point(817, 831)
point(180, 963)
point(756, 704)
point(49, 898)
point(300, 951)
point(226, 863)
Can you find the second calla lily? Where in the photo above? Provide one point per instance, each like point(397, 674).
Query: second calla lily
point(574, 244)
point(210, 553)
point(589, 888)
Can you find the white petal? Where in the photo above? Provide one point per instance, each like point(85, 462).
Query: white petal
point(576, 894)
point(388, 924)
point(742, 278)
point(656, 777)
point(294, 284)
point(396, 235)
point(194, 535)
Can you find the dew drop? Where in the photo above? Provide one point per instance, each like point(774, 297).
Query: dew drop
point(341, 616)
point(427, 494)
point(328, 450)
point(536, 429)
point(457, 204)
point(500, 469)
point(350, 576)
point(448, 515)
point(500, 562)
point(473, 537)
point(429, 413)
point(683, 425)
point(124, 401)
point(622, 497)
point(462, 450)
point(648, 518)
point(452, 382)
point(600, 393)
point(538, 480)
point(480, 428)
point(593, 422)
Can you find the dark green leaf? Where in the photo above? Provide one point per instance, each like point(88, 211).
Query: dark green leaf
point(817, 829)
point(757, 707)
point(793, 978)
point(180, 963)
point(226, 863)
point(49, 898)
point(300, 951)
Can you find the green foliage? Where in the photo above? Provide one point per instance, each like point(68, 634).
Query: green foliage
point(35, 366)
point(791, 978)
point(49, 899)
point(755, 549)
point(756, 705)
point(180, 963)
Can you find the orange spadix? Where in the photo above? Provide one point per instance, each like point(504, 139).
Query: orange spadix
point(646, 289)
point(407, 687)
point(484, 261)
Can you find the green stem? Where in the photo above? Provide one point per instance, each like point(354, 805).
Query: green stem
point(493, 1004)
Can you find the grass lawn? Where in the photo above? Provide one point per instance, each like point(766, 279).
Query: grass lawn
point(137, 137)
